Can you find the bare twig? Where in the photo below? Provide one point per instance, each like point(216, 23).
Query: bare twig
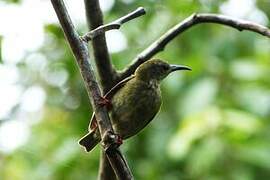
point(81, 53)
point(106, 71)
point(189, 22)
point(113, 25)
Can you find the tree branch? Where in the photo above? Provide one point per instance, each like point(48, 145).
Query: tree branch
point(81, 53)
point(105, 170)
point(189, 22)
point(113, 25)
point(106, 71)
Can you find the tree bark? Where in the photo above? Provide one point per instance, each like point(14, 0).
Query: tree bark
point(81, 54)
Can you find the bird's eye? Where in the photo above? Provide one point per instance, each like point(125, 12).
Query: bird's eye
point(165, 68)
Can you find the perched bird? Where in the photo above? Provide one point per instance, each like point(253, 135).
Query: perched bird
point(134, 101)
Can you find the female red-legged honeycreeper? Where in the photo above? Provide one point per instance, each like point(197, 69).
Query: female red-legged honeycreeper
point(134, 101)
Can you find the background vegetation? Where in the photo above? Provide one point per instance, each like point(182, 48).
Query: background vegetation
point(214, 122)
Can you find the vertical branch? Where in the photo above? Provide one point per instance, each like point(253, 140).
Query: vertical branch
point(105, 169)
point(106, 71)
point(81, 53)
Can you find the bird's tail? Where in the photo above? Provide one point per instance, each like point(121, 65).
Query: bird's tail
point(90, 140)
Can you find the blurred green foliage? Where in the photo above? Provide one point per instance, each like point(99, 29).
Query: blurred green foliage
point(1, 61)
point(214, 122)
point(12, 1)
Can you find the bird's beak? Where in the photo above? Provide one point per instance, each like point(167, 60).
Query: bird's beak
point(179, 67)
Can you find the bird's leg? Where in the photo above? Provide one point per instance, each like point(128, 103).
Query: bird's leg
point(105, 102)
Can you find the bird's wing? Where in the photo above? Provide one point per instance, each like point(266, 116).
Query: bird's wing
point(109, 95)
point(117, 87)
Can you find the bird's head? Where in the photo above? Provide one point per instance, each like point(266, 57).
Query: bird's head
point(157, 69)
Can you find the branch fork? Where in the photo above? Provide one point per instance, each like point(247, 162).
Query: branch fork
point(113, 25)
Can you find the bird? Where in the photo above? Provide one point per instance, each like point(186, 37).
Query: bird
point(133, 102)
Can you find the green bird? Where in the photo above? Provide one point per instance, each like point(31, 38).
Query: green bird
point(134, 101)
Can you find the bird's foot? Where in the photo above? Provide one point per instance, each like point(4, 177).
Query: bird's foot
point(119, 139)
point(111, 140)
point(105, 102)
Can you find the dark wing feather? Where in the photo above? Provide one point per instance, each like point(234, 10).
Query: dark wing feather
point(117, 87)
point(109, 95)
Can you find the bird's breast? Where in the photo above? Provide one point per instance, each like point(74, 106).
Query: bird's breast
point(134, 106)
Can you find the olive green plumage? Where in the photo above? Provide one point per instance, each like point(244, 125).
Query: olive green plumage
point(135, 101)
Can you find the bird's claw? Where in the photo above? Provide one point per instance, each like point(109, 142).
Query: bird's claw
point(105, 102)
point(111, 140)
point(119, 139)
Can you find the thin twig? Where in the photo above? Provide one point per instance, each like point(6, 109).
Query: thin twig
point(81, 53)
point(113, 25)
point(189, 22)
